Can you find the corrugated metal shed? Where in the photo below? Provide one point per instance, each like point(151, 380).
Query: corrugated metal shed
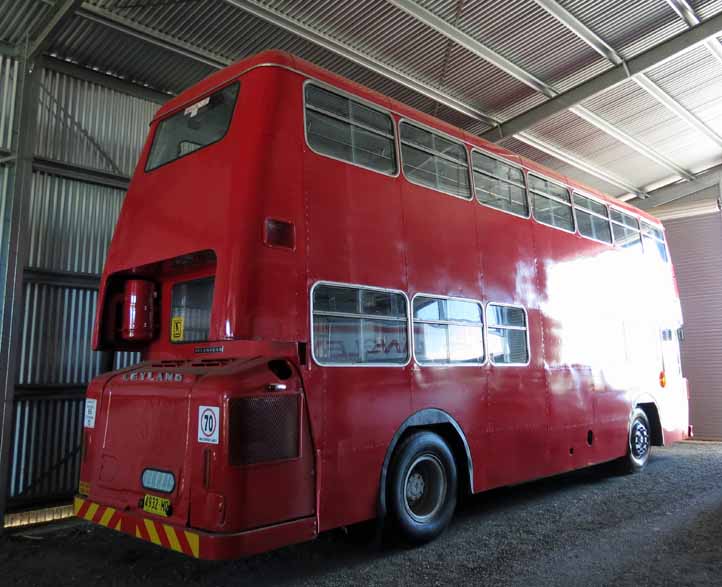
point(696, 247)
point(469, 63)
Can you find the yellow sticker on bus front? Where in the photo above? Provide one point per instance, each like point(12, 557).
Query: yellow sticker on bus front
point(176, 329)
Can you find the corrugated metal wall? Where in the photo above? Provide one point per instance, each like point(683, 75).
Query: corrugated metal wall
point(70, 226)
point(696, 248)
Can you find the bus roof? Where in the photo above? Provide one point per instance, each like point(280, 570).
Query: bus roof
point(307, 69)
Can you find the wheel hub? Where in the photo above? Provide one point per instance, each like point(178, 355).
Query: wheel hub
point(640, 440)
point(425, 487)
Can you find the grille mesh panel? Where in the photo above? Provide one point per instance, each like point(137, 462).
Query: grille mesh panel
point(263, 429)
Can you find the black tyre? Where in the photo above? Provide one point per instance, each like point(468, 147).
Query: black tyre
point(422, 487)
point(639, 444)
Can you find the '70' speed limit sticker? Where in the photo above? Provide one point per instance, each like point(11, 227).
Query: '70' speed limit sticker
point(208, 423)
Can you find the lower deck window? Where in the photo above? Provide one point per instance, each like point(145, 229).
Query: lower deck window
point(507, 331)
point(191, 303)
point(354, 325)
point(448, 331)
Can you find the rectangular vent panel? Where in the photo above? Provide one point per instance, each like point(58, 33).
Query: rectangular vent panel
point(264, 429)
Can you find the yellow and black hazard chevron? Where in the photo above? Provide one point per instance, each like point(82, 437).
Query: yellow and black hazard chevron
point(179, 540)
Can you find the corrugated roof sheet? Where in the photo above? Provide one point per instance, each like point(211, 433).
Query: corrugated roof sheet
point(520, 31)
point(629, 26)
point(694, 79)
point(21, 18)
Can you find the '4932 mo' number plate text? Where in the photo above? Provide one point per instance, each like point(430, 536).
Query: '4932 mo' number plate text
point(157, 505)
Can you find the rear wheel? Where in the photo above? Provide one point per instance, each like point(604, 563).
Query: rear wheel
point(422, 487)
point(639, 444)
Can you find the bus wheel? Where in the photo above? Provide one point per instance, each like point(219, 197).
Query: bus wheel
point(639, 444)
point(423, 487)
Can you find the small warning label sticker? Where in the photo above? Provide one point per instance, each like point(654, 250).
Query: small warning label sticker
point(208, 424)
point(90, 408)
point(176, 328)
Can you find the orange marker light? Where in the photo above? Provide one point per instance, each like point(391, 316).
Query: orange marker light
point(662, 379)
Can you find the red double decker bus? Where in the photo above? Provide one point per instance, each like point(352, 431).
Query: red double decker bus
point(349, 310)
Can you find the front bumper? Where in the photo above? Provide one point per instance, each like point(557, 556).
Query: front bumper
point(192, 542)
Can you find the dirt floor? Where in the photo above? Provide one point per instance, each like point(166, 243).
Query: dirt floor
point(661, 527)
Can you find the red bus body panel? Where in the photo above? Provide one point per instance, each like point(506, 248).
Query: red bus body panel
point(353, 226)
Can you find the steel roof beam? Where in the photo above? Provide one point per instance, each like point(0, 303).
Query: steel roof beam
point(610, 78)
point(598, 44)
point(688, 14)
point(580, 30)
point(318, 38)
point(471, 44)
point(63, 12)
point(104, 79)
point(591, 169)
point(129, 27)
point(322, 40)
point(143, 33)
point(664, 98)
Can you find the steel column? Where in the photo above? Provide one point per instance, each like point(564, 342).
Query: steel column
point(17, 251)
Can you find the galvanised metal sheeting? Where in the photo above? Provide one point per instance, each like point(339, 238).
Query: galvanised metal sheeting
point(695, 80)
point(112, 51)
point(630, 108)
point(45, 455)
point(89, 125)
point(8, 86)
point(628, 26)
point(20, 18)
point(57, 336)
point(123, 360)
point(71, 223)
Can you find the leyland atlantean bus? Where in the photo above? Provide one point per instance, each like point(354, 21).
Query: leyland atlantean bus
point(349, 310)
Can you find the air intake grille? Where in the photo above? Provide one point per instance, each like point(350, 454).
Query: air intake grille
point(263, 429)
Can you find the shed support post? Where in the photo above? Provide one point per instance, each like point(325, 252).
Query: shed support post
point(15, 255)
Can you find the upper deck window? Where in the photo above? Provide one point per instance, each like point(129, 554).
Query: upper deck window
point(654, 241)
point(592, 219)
point(199, 125)
point(434, 161)
point(552, 203)
point(626, 230)
point(348, 130)
point(355, 325)
point(499, 185)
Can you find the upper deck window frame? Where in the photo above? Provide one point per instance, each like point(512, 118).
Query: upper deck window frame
point(445, 136)
point(354, 98)
point(613, 222)
point(531, 192)
point(584, 210)
point(649, 232)
point(180, 111)
point(524, 185)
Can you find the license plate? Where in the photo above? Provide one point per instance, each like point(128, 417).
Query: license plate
point(156, 505)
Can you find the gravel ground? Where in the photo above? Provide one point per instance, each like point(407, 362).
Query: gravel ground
point(661, 527)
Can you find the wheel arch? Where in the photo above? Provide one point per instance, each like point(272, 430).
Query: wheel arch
point(449, 429)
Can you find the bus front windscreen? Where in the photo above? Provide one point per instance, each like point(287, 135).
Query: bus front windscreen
point(201, 124)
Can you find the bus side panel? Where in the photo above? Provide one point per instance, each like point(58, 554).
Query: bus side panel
point(275, 279)
point(517, 405)
point(354, 235)
point(566, 316)
point(444, 259)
